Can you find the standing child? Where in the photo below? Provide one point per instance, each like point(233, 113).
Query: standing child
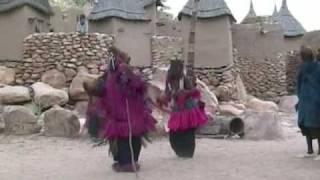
point(186, 115)
point(308, 107)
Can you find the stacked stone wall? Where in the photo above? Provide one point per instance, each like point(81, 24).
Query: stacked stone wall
point(264, 79)
point(65, 52)
point(293, 63)
point(220, 80)
point(164, 49)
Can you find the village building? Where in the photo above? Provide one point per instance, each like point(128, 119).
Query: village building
point(132, 22)
point(260, 37)
point(213, 48)
point(292, 29)
point(65, 20)
point(18, 19)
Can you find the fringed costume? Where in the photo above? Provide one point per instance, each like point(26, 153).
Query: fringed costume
point(187, 112)
point(126, 112)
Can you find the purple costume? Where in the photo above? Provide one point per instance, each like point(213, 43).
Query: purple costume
point(124, 100)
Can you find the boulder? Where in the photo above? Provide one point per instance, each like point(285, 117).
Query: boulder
point(262, 125)
point(54, 78)
point(46, 96)
point(7, 75)
point(287, 104)
point(20, 121)
point(81, 109)
point(76, 90)
point(2, 125)
point(59, 122)
point(241, 89)
point(208, 97)
point(229, 109)
point(157, 87)
point(14, 95)
point(260, 105)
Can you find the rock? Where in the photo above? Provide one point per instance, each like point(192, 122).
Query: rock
point(208, 97)
point(262, 125)
point(59, 122)
point(82, 70)
point(46, 96)
point(70, 74)
point(287, 104)
point(229, 109)
point(7, 75)
point(20, 121)
point(11, 95)
point(2, 125)
point(241, 89)
point(76, 89)
point(262, 106)
point(54, 78)
point(81, 109)
point(157, 87)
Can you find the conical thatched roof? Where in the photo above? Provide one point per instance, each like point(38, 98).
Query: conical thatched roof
point(251, 16)
point(41, 5)
point(208, 9)
point(125, 9)
point(275, 11)
point(289, 23)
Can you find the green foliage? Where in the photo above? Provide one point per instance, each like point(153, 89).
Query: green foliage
point(80, 3)
point(64, 4)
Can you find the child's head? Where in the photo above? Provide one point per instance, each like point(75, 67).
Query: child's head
point(306, 54)
point(175, 71)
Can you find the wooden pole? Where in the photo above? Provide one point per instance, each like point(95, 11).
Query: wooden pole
point(192, 41)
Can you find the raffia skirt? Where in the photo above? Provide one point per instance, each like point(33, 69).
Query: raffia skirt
point(183, 143)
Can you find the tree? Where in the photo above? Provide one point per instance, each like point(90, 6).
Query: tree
point(80, 3)
point(63, 4)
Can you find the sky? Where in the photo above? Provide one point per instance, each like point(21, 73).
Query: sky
point(306, 11)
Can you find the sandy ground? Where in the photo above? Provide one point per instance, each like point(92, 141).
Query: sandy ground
point(41, 158)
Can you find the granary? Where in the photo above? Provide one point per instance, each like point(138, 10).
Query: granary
point(18, 19)
point(261, 37)
point(252, 18)
point(213, 48)
point(292, 28)
point(65, 20)
point(132, 22)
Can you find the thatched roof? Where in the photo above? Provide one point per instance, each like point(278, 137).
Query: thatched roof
point(125, 9)
point(41, 5)
point(289, 23)
point(251, 16)
point(208, 9)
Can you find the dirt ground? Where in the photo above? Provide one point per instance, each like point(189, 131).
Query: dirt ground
point(41, 158)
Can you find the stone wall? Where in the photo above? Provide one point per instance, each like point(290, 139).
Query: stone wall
point(293, 63)
point(220, 80)
point(165, 48)
point(264, 79)
point(66, 52)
